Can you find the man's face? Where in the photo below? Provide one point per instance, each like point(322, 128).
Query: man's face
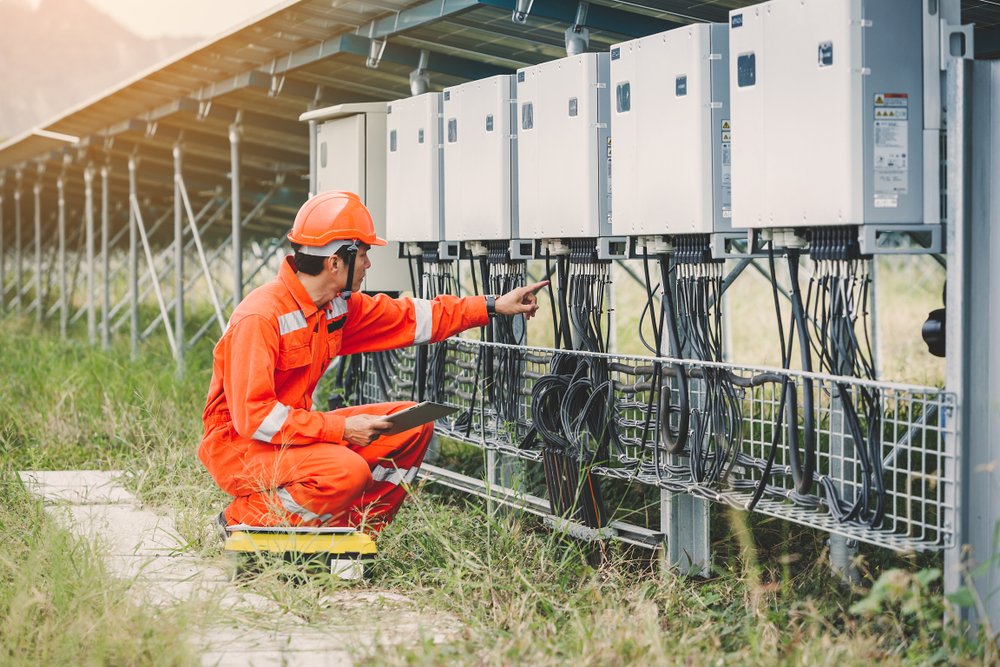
point(361, 266)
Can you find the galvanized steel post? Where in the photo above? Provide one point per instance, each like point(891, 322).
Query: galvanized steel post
point(234, 176)
point(684, 519)
point(18, 257)
point(178, 262)
point(106, 262)
point(63, 289)
point(312, 152)
point(36, 190)
point(133, 258)
point(88, 181)
point(973, 351)
point(3, 248)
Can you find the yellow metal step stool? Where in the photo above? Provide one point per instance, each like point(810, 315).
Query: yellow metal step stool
point(346, 552)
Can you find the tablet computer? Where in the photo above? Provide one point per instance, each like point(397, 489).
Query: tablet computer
point(414, 416)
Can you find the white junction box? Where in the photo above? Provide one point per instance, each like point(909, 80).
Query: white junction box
point(414, 173)
point(480, 160)
point(832, 124)
point(564, 148)
point(348, 153)
point(672, 132)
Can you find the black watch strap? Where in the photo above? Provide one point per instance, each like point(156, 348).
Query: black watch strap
point(491, 305)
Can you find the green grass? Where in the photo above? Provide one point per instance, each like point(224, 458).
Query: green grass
point(529, 597)
point(524, 595)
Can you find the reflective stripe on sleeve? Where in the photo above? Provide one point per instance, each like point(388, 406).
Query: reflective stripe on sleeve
point(424, 315)
point(272, 423)
point(395, 476)
point(292, 321)
point(293, 507)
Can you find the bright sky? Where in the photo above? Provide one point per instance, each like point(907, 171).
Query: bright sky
point(173, 18)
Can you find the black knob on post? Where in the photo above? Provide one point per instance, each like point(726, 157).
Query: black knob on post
point(933, 332)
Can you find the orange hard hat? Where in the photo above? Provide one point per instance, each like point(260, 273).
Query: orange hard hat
point(329, 219)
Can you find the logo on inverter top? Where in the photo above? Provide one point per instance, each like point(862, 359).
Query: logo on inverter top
point(737, 21)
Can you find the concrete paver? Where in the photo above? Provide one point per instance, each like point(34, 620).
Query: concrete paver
point(146, 549)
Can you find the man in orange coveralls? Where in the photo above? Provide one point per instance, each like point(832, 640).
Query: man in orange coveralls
point(283, 463)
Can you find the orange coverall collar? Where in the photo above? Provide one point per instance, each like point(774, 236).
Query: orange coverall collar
point(288, 277)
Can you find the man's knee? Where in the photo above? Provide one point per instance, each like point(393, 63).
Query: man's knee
point(357, 475)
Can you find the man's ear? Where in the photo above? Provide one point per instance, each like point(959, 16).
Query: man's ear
point(332, 263)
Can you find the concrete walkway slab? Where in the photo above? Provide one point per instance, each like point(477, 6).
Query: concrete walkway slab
point(145, 548)
point(79, 487)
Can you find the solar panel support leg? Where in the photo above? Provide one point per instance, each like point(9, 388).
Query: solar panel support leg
point(178, 262)
point(88, 180)
point(133, 258)
point(18, 255)
point(105, 263)
point(63, 288)
point(234, 176)
point(3, 250)
point(972, 564)
point(37, 301)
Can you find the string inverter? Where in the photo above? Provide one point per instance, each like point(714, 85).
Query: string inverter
point(564, 148)
point(414, 166)
point(480, 160)
point(836, 113)
point(671, 132)
point(348, 153)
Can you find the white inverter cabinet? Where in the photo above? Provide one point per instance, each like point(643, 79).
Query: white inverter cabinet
point(414, 178)
point(835, 113)
point(348, 153)
point(480, 160)
point(671, 132)
point(564, 148)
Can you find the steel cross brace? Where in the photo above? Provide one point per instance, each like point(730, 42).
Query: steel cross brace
point(162, 256)
point(217, 251)
point(150, 265)
point(264, 261)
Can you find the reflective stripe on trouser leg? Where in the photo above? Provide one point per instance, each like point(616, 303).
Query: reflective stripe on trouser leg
point(395, 461)
point(395, 476)
point(293, 507)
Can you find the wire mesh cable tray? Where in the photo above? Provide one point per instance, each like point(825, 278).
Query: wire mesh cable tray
point(897, 490)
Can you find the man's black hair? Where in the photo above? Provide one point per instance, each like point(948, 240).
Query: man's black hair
point(312, 265)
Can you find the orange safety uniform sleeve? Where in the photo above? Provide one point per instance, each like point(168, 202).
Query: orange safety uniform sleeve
point(249, 382)
point(383, 323)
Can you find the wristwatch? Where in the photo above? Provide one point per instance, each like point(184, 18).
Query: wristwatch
point(491, 305)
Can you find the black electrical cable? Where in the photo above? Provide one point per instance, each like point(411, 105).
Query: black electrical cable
point(842, 354)
point(804, 467)
point(675, 440)
point(569, 410)
point(786, 352)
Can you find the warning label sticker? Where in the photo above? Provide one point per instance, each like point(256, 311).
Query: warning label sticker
point(727, 168)
point(609, 180)
point(891, 147)
point(891, 99)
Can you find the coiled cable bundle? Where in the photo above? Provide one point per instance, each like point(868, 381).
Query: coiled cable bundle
point(572, 404)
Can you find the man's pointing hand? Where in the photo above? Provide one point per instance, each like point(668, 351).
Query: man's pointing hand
point(520, 301)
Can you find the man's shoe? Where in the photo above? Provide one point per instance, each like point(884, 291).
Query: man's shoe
point(219, 526)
